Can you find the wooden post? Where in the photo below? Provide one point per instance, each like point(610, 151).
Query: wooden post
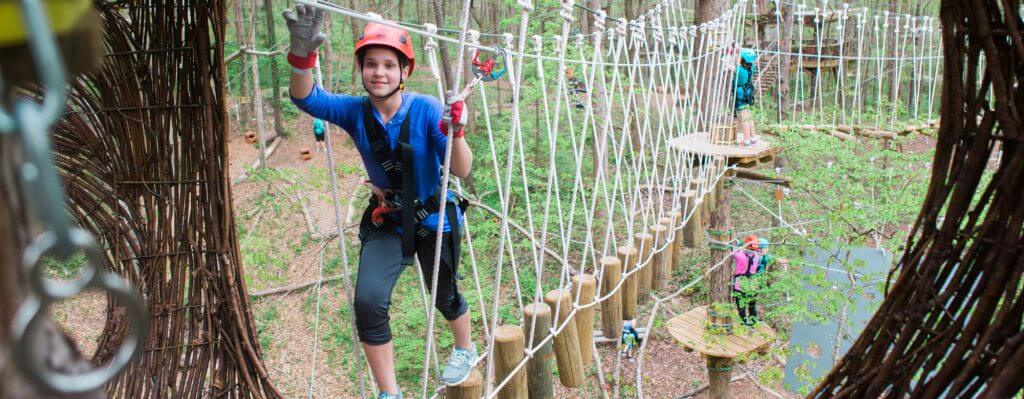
point(710, 201)
point(643, 276)
point(670, 244)
point(508, 352)
point(693, 231)
point(567, 342)
point(585, 286)
point(627, 257)
point(472, 388)
point(657, 265)
point(677, 240)
point(538, 368)
point(611, 308)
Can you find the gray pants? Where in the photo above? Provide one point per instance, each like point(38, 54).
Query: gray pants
point(380, 265)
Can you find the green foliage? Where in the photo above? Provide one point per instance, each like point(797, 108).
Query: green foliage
point(64, 269)
point(266, 324)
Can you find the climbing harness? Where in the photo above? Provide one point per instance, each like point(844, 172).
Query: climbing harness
point(409, 206)
point(27, 124)
point(398, 164)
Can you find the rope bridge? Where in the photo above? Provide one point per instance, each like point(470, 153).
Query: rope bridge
point(575, 222)
point(626, 91)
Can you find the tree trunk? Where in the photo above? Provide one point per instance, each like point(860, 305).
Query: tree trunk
point(446, 66)
point(709, 68)
point(893, 50)
point(275, 79)
point(720, 281)
point(596, 96)
point(257, 95)
point(721, 220)
point(352, 78)
point(326, 65)
point(241, 37)
point(787, 20)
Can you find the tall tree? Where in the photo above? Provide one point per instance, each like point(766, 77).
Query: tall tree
point(242, 38)
point(275, 79)
point(437, 6)
point(787, 20)
point(709, 68)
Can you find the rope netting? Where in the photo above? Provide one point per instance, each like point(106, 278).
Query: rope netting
point(598, 111)
point(846, 65)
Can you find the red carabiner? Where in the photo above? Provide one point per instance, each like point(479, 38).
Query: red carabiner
point(485, 66)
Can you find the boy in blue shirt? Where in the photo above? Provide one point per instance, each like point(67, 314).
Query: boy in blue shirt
point(401, 138)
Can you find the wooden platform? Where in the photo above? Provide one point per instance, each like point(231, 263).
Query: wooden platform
point(689, 329)
point(814, 62)
point(700, 144)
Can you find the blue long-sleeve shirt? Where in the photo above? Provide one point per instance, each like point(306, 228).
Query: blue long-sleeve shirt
point(425, 137)
point(742, 81)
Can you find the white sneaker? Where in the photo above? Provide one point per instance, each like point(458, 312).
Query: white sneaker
point(459, 366)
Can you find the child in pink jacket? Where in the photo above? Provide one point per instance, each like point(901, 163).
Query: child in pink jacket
point(745, 263)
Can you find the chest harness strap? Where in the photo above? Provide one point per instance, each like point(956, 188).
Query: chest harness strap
point(398, 164)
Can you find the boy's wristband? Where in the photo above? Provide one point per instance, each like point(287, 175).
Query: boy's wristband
point(307, 62)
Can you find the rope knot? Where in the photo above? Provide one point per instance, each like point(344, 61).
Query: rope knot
point(620, 27)
point(566, 11)
point(508, 40)
point(526, 5)
point(657, 33)
point(473, 36)
point(599, 21)
point(431, 42)
point(538, 42)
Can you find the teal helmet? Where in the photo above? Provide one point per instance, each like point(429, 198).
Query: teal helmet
point(763, 243)
point(748, 55)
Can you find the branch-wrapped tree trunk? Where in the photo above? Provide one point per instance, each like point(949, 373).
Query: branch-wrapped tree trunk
point(951, 323)
point(143, 154)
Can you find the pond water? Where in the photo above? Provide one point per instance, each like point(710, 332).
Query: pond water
point(857, 273)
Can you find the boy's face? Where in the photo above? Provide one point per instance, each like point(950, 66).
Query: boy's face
point(381, 71)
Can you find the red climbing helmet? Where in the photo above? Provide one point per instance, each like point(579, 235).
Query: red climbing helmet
point(375, 34)
point(751, 242)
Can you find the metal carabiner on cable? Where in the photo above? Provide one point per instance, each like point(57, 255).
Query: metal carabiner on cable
point(484, 69)
point(30, 123)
